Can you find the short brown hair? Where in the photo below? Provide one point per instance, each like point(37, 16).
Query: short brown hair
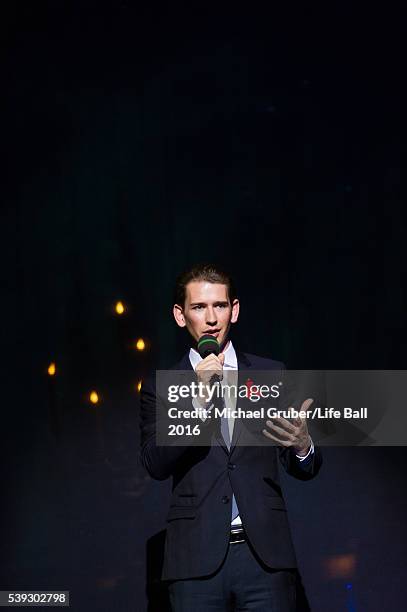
point(210, 273)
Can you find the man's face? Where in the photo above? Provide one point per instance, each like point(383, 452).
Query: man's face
point(207, 310)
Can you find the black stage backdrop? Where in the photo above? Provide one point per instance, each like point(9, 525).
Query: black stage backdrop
point(139, 139)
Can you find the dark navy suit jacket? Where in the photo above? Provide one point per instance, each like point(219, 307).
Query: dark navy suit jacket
point(204, 477)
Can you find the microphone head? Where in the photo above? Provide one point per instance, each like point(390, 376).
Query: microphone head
point(208, 345)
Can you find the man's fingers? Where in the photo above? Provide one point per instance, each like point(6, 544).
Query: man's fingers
point(271, 437)
point(214, 359)
point(212, 362)
point(304, 407)
point(280, 421)
point(307, 403)
point(280, 431)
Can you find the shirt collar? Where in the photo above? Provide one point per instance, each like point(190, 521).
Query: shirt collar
point(230, 357)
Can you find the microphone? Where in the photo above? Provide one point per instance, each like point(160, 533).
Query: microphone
point(208, 345)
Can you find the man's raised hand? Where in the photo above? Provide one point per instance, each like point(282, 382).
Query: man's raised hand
point(294, 435)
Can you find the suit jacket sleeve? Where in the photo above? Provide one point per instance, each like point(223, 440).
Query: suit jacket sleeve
point(303, 470)
point(160, 461)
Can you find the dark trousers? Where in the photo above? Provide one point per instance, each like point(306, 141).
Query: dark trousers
point(242, 583)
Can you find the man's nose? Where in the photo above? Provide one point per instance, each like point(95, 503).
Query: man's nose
point(211, 316)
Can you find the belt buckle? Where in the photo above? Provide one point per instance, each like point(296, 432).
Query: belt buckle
point(236, 532)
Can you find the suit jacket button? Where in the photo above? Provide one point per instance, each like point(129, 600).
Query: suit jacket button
point(225, 499)
point(231, 466)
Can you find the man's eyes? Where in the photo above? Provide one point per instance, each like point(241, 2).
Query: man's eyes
point(199, 307)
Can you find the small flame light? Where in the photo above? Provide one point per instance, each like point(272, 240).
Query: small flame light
point(93, 397)
point(52, 369)
point(140, 344)
point(120, 308)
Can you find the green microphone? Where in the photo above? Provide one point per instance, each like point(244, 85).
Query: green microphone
point(208, 345)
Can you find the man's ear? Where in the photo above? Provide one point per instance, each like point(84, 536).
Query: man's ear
point(235, 311)
point(178, 313)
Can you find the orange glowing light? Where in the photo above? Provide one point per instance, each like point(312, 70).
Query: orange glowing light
point(52, 369)
point(140, 344)
point(341, 566)
point(93, 397)
point(120, 308)
point(139, 385)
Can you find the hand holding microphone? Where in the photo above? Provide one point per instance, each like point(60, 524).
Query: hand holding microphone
point(210, 369)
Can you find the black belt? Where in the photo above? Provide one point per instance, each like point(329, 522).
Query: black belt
point(237, 535)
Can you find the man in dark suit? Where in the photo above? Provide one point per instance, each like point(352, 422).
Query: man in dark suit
point(228, 542)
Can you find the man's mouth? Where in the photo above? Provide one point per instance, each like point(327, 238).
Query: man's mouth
point(212, 332)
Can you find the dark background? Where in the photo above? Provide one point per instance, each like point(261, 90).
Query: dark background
point(139, 139)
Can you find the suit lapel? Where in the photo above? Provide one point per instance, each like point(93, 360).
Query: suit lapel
point(243, 363)
point(185, 364)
